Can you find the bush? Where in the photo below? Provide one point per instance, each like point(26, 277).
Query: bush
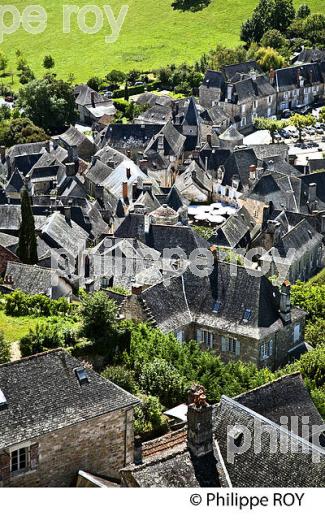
point(19, 303)
point(122, 377)
point(161, 379)
point(4, 349)
point(148, 416)
point(46, 336)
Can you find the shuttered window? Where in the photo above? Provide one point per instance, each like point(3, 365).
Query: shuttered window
point(230, 345)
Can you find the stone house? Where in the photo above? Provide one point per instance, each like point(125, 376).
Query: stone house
point(299, 85)
point(235, 312)
point(81, 422)
point(72, 138)
point(92, 106)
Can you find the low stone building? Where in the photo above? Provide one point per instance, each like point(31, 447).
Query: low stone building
point(58, 417)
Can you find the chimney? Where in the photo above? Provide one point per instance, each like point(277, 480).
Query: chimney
point(272, 76)
point(199, 423)
point(125, 190)
point(214, 250)
point(312, 191)
point(128, 173)
point(128, 153)
point(99, 192)
point(147, 186)
point(92, 97)
point(143, 163)
point(273, 228)
point(47, 146)
point(322, 225)
point(136, 289)
point(285, 304)
point(137, 450)
point(72, 153)
point(70, 169)
point(209, 139)
point(229, 92)
point(67, 213)
point(3, 153)
point(252, 172)
point(94, 160)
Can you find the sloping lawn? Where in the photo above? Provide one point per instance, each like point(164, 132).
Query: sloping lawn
point(153, 34)
point(15, 328)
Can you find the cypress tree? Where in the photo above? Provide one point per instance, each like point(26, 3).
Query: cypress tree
point(27, 246)
point(126, 91)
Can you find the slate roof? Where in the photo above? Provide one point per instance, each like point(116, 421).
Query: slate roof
point(235, 228)
point(309, 56)
point(84, 96)
point(260, 466)
point(58, 232)
point(8, 240)
point(157, 114)
point(73, 137)
point(213, 79)
point(162, 237)
point(32, 279)
point(44, 395)
point(284, 397)
point(15, 183)
point(173, 140)
point(130, 136)
point(286, 78)
point(231, 134)
point(301, 238)
point(10, 218)
point(190, 299)
point(235, 72)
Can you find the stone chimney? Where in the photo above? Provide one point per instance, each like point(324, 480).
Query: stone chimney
point(137, 450)
point(252, 173)
point(128, 173)
point(143, 165)
point(209, 139)
point(136, 289)
point(285, 304)
point(70, 169)
point(272, 76)
point(47, 146)
point(312, 193)
point(125, 191)
point(199, 423)
point(92, 97)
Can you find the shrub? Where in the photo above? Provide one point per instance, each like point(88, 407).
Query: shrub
point(19, 303)
point(148, 416)
point(4, 349)
point(161, 379)
point(122, 377)
point(46, 336)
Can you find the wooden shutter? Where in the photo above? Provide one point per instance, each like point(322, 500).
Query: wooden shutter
point(199, 335)
point(270, 347)
point(237, 347)
point(34, 456)
point(4, 466)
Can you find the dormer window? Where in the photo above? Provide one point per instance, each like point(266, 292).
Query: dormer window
point(247, 316)
point(3, 401)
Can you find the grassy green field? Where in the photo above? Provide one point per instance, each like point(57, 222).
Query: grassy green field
point(153, 35)
point(15, 328)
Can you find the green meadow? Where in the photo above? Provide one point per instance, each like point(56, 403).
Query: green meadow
point(152, 35)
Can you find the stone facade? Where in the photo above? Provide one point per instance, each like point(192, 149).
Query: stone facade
point(102, 446)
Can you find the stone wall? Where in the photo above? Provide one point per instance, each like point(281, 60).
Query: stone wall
point(101, 446)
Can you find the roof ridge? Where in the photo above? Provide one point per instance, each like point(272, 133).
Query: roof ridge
point(269, 383)
point(27, 358)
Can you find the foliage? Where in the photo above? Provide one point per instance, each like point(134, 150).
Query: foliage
point(269, 58)
point(116, 76)
point(122, 377)
point(272, 125)
point(310, 298)
point(45, 336)
point(19, 131)
point(321, 115)
point(204, 231)
point(315, 333)
point(19, 303)
point(3, 62)
point(95, 83)
point(4, 112)
point(303, 11)
point(48, 62)
point(273, 38)
point(4, 349)
point(49, 103)
point(148, 416)
point(160, 378)
point(27, 245)
point(300, 122)
point(268, 14)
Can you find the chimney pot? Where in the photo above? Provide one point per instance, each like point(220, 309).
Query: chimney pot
point(125, 190)
point(199, 423)
point(137, 450)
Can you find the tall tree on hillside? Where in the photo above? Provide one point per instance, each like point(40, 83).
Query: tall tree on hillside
point(27, 245)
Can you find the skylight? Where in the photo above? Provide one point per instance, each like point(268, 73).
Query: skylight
point(216, 306)
point(3, 400)
point(82, 376)
point(247, 315)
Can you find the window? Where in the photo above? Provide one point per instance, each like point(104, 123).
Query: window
point(266, 349)
point(206, 337)
point(180, 336)
point(243, 109)
point(230, 345)
point(243, 121)
point(19, 460)
point(296, 333)
point(82, 376)
point(216, 307)
point(255, 104)
point(315, 89)
point(269, 100)
point(247, 316)
point(285, 95)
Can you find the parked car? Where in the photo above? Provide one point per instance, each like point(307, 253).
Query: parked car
point(286, 113)
point(139, 83)
point(108, 94)
point(302, 109)
point(284, 133)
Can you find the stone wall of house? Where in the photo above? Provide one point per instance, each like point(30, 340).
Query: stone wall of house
point(285, 342)
point(209, 96)
point(101, 446)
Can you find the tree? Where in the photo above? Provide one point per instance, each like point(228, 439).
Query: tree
point(27, 245)
point(26, 75)
point(268, 14)
point(20, 131)
point(5, 354)
point(46, 336)
point(273, 38)
point(148, 416)
point(122, 377)
point(49, 103)
point(99, 322)
point(321, 115)
point(282, 14)
point(161, 379)
point(269, 58)
point(116, 76)
point(3, 62)
point(48, 62)
point(300, 122)
point(303, 11)
point(272, 125)
point(95, 83)
point(126, 92)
